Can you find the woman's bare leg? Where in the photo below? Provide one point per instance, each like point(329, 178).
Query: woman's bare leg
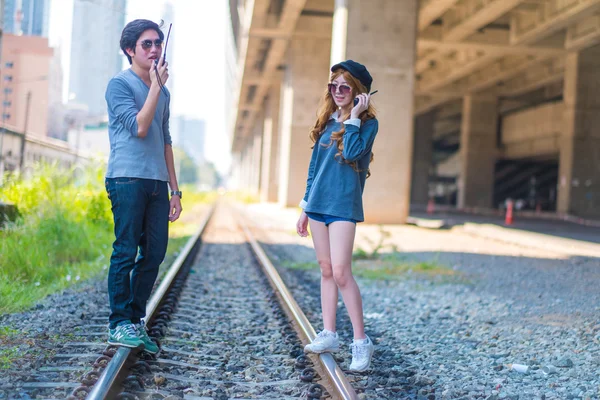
point(329, 290)
point(341, 240)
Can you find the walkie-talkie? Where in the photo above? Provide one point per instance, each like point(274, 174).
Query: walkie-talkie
point(370, 94)
point(164, 58)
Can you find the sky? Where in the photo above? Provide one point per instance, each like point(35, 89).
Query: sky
point(196, 61)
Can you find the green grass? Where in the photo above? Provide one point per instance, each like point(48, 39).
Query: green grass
point(385, 262)
point(305, 266)
point(388, 266)
point(8, 356)
point(191, 197)
point(362, 254)
point(385, 270)
point(396, 265)
point(242, 197)
point(62, 236)
point(64, 233)
point(7, 332)
point(9, 352)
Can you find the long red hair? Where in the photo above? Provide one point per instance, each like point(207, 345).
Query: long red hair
point(327, 107)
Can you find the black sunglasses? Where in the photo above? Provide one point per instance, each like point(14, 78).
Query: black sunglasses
point(147, 44)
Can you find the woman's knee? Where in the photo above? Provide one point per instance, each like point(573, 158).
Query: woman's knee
point(326, 270)
point(342, 275)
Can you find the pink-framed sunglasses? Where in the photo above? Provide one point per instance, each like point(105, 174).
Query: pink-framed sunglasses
point(343, 89)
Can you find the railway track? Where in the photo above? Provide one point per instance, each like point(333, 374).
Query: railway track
point(227, 326)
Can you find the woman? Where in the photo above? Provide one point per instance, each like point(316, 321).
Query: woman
point(343, 137)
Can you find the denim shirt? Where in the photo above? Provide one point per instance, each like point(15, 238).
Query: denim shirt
point(132, 156)
point(333, 187)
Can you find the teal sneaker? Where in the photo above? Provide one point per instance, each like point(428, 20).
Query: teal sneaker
point(149, 345)
point(125, 335)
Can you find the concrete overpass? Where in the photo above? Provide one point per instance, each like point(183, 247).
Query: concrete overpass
point(479, 100)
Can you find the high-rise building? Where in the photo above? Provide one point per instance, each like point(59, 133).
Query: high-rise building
point(95, 53)
point(231, 32)
point(169, 18)
point(57, 127)
point(26, 17)
point(189, 134)
point(24, 85)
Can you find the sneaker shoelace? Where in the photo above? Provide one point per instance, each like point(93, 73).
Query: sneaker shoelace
point(129, 329)
point(322, 335)
point(359, 351)
point(141, 327)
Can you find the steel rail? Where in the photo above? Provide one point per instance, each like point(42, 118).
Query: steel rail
point(106, 382)
point(335, 375)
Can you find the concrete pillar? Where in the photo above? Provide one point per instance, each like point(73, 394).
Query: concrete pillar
point(270, 149)
point(244, 169)
point(478, 151)
point(240, 169)
point(247, 165)
point(382, 35)
point(236, 166)
point(579, 162)
point(255, 167)
point(422, 158)
point(305, 79)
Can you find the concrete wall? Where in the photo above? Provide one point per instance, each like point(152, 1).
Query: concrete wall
point(422, 158)
point(450, 167)
point(532, 132)
point(36, 150)
point(579, 163)
point(478, 151)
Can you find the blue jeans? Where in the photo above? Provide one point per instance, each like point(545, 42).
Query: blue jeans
point(141, 214)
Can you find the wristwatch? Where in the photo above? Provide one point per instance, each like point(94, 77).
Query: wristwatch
point(176, 193)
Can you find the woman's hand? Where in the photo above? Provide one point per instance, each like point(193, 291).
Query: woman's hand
point(362, 105)
point(302, 224)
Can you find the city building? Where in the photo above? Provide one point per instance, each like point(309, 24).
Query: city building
point(231, 67)
point(479, 101)
point(26, 17)
point(24, 90)
point(95, 53)
point(24, 85)
point(189, 135)
point(168, 18)
point(57, 127)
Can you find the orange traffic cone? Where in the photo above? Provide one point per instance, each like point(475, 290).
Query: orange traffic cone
point(430, 206)
point(508, 220)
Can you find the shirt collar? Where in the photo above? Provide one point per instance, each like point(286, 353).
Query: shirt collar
point(335, 115)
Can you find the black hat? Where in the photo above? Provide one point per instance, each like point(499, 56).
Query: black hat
point(357, 70)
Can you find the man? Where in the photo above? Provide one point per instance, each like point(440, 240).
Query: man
point(139, 166)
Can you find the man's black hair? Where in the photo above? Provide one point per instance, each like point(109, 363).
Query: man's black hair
point(132, 32)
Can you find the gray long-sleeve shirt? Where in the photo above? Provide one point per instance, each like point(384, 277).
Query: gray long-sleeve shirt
point(132, 156)
point(334, 187)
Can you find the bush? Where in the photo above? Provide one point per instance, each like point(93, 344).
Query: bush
point(63, 234)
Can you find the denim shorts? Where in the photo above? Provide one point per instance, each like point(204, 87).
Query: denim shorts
point(327, 219)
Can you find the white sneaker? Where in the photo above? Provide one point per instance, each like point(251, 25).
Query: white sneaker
point(326, 341)
point(361, 355)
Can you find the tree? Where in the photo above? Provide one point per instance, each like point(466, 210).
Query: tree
point(187, 170)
